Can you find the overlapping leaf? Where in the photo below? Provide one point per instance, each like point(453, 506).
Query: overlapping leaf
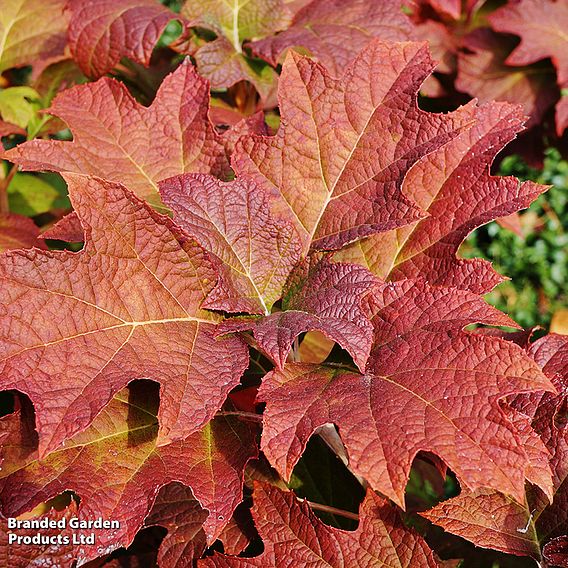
point(17, 232)
point(335, 31)
point(27, 35)
point(222, 61)
point(122, 439)
point(114, 313)
point(483, 73)
point(177, 510)
point(102, 32)
point(17, 555)
point(344, 146)
point(238, 20)
point(493, 520)
point(542, 26)
point(411, 397)
point(292, 533)
point(318, 296)
point(116, 138)
point(454, 185)
point(256, 250)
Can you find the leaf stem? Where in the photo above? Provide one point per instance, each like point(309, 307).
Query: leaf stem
point(4, 183)
point(331, 510)
point(242, 414)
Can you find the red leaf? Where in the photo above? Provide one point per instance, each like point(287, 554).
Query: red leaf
point(221, 64)
point(318, 296)
point(490, 520)
point(112, 313)
point(222, 61)
point(122, 440)
point(455, 187)
point(493, 520)
point(18, 555)
point(102, 32)
point(335, 31)
point(483, 73)
point(68, 229)
point(18, 232)
point(292, 533)
point(116, 138)
point(176, 509)
point(255, 250)
point(556, 551)
point(419, 369)
point(339, 159)
point(541, 24)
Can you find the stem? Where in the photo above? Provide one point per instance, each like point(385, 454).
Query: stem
point(263, 370)
point(4, 183)
point(343, 366)
point(331, 510)
point(246, 415)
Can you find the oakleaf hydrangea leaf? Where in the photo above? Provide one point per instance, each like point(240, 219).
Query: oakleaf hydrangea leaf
point(112, 313)
point(541, 25)
point(419, 368)
point(491, 519)
point(454, 185)
point(335, 31)
point(122, 440)
point(319, 296)
point(116, 138)
point(255, 249)
point(291, 532)
point(31, 31)
point(102, 32)
point(344, 145)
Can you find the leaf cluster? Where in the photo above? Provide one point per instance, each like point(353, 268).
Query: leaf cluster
point(233, 316)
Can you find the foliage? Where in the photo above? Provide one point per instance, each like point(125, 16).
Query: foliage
point(537, 261)
point(233, 312)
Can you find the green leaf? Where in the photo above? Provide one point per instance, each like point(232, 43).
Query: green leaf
point(19, 105)
point(31, 195)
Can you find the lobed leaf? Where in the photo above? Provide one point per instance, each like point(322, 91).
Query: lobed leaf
point(541, 25)
point(335, 31)
point(454, 186)
point(102, 32)
point(494, 520)
point(112, 313)
point(483, 73)
point(256, 250)
point(344, 146)
point(292, 533)
point(238, 20)
point(116, 138)
point(122, 439)
point(27, 36)
point(176, 509)
point(319, 296)
point(419, 369)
